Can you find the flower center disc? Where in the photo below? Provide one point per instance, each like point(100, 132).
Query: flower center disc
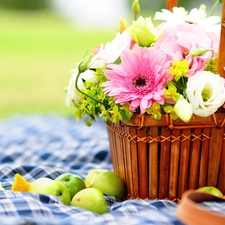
point(140, 81)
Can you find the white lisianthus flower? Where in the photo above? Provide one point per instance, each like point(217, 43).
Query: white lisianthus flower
point(72, 92)
point(195, 16)
point(183, 109)
point(206, 92)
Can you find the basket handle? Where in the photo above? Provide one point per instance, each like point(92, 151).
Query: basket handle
point(171, 3)
point(221, 62)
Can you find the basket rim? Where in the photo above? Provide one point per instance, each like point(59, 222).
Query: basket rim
point(216, 120)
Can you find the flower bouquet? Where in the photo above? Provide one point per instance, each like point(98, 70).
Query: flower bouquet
point(161, 90)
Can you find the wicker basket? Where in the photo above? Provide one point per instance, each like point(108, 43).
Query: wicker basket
point(162, 159)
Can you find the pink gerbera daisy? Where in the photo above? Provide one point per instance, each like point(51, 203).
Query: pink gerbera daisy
point(139, 79)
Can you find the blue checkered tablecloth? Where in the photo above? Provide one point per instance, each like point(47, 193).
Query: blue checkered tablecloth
point(46, 146)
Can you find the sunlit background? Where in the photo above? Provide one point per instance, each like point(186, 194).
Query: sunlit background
point(41, 41)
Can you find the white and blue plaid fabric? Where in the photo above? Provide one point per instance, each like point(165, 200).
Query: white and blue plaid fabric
point(47, 146)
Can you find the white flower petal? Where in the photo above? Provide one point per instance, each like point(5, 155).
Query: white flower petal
point(203, 112)
point(179, 12)
point(196, 16)
point(112, 50)
point(88, 75)
point(183, 109)
point(72, 93)
point(195, 87)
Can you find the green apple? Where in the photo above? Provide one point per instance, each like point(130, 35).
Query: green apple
point(110, 183)
point(51, 187)
point(90, 199)
point(91, 176)
point(211, 190)
point(38, 182)
point(72, 182)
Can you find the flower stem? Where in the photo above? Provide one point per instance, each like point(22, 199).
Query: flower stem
point(214, 7)
point(209, 61)
point(76, 86)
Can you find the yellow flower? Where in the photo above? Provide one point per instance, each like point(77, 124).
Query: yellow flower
point(179, 68)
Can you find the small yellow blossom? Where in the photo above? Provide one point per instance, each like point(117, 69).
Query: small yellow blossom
point(179, 69)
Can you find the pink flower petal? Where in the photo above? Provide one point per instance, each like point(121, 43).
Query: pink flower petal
point(139, 79)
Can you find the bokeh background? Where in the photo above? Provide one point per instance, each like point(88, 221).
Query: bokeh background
point(41, 41)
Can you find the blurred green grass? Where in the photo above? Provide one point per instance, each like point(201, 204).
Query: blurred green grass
point(37, 53)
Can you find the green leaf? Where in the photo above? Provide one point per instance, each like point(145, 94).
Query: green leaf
point(115, 109)
point(126, 115)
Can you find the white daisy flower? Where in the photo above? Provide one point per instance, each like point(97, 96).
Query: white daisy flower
point(195, 16)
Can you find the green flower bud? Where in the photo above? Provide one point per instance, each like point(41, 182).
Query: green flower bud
point(136, 7)
point(85, 63)
point(183, 109)
point(202, 7)
point(123, 25)
point(199, 51)
point(142, 31)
